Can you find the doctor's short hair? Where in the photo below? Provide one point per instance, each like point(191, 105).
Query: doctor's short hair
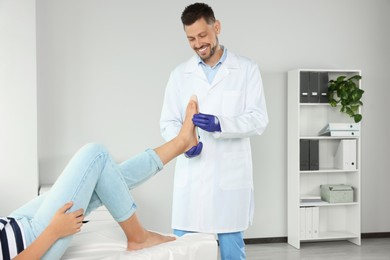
point(194, 12)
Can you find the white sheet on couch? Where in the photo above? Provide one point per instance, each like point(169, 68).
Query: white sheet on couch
point(105, 240)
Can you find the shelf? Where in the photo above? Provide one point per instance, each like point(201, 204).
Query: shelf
point(317, 137)
point(332, 235)
point(326, 204)
point(329, 171)
point(314, 104)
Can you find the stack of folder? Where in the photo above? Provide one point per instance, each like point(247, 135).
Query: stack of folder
point(314, 87)
point(309, 155)
point(309, 222)
point(341, 129)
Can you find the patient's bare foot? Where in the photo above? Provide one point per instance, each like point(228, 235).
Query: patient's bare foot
point(187, 132)
point(149, 239)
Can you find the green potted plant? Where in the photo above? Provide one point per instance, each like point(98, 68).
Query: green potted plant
point(346, 92)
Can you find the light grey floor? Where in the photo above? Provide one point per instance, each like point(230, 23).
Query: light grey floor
point(371, 249)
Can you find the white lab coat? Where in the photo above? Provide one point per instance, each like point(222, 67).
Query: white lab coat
point(214, 192)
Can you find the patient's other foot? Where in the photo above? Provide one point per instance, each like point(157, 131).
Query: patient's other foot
point(149, 239)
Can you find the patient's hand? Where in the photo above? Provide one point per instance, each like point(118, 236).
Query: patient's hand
point(64, 224)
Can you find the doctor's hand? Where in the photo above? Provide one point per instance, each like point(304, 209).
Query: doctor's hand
point(194, 151)
point(208, 123)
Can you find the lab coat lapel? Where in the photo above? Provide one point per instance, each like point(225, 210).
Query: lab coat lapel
point(193, 69)
point(230, 64)
point(221, 74)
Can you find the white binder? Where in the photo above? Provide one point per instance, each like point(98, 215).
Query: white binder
point(345, 157)
point(302, 217)
point(341, 133)
point(340, 127)
point(316, 221)
point(309, 222)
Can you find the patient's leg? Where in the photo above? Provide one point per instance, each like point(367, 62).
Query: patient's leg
point(137, 236)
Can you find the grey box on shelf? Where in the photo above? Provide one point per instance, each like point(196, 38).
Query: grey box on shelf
point(338, 193)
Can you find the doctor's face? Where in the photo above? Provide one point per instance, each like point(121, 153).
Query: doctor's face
point(203, 39)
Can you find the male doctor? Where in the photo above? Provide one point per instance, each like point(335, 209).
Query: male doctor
point(213, 186)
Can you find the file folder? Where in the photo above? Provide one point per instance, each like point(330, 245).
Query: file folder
point(323, 87)
point(314, 155)
point(304, 81)
point(340, 127)
point(309, 222)
point(341, 133)
point(302, 220)
point(313, 88)
point(315, 222)
point(304, 153)
point(345, 157)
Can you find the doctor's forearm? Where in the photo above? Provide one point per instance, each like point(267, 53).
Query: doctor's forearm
point(242, 126)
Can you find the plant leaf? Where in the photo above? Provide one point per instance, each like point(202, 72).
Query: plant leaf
point(357, 118)
point(355, 77)
point(340, 78)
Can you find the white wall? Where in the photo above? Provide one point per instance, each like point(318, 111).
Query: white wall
point(18, 104)
point(103, 66)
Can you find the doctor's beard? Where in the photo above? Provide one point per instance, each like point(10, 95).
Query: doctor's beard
point(212, 51)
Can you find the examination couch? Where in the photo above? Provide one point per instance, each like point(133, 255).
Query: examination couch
point(102, 238)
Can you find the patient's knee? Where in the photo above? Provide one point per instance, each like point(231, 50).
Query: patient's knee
point(94, 149)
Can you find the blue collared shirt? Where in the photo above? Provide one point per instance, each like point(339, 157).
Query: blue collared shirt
point(210, 72)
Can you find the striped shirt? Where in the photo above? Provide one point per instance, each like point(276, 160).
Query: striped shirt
point(11, 238)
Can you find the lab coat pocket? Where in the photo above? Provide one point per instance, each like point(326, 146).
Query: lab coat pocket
point(235, 171)
point(231, 102)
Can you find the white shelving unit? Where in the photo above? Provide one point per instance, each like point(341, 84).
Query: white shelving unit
point(337, 221)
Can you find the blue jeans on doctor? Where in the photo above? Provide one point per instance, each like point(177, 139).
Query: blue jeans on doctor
point(231, 245)
point(90, 179)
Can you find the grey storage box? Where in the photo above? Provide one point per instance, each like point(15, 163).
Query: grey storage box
point(338, 193)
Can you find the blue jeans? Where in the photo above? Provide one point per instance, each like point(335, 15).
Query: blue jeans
point(90, 179)
point(231, 245)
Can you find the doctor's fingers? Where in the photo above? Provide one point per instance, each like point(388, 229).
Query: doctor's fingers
point(191, 151)
point(201, 121)
point(194, 151)
point(198, 149)
point(202, 116)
